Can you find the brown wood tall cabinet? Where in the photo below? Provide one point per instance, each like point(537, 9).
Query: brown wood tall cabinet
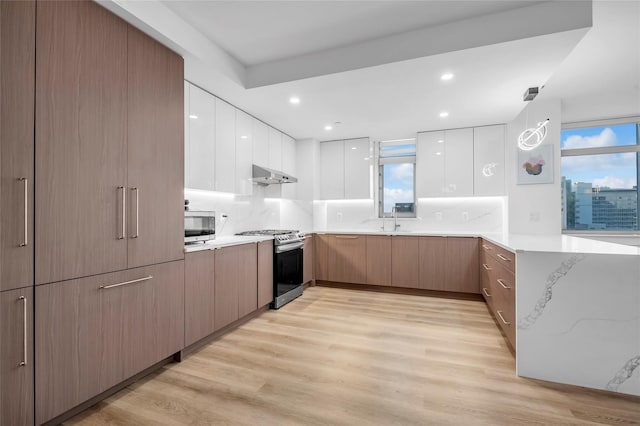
point(17, 85)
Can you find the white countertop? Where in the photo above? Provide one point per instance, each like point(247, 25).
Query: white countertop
point(225, 241)
point(518, 242)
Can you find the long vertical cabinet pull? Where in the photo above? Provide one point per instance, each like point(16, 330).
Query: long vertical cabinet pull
point(25, 241)
point(25, 349)
point(123, 212)
point(137, 192)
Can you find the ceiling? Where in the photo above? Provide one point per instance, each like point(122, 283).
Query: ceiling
point(375, 66)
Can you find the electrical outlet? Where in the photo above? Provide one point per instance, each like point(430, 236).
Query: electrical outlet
point(465, 216)
point(339, 216)
point(438, 216)
point(534, 217)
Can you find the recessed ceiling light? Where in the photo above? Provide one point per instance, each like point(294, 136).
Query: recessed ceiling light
point(440, 140)
point(353, 147)
point(244, 137)
point(294, 100)
point(195, 117)
point(446, 76)
point(438, 153)
point(444, 114)
point(328, 127)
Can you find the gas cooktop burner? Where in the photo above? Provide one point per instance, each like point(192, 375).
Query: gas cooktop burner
point(269, 232)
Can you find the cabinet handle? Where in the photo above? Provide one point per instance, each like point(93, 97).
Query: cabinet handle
point(502, 318)
point(107, 287)
point(25, 241)
point(486, 293)
point(123, 212)
point(486, 247)
point(25, 349)
point(506, 259)
point(501, 282)
point(345, 237)
point(486, 267)
point(137, 192)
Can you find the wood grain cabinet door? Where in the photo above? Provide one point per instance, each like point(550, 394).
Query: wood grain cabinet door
point(379, 260)
point(247, 279)
point(265, 273)
point(80, 129)
point(461, 262)
point(226, 286)
point(17, 85)
point(432, 252)
point(347, 258)
point(155, 133)
point(16, 357)
point(321, 256)
point(199, 296)
point(405, 266)
point(308, 259)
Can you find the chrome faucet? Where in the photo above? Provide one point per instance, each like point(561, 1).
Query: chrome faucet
point(394, 212)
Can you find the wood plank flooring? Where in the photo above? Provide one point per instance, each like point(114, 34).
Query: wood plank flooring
point(348, 357)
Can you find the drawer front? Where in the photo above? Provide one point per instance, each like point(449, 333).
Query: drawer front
point(485, 284)
point(505, 313)
point(505, 257)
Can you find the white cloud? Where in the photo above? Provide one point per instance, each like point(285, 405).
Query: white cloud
point(606, 138)
point(595, 163)
point(614, 182)
point(396, 195)
point(403, 172)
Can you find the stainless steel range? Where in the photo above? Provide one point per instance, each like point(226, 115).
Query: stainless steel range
point(287, 264)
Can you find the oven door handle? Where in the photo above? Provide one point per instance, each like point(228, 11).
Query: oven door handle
point(289, 247)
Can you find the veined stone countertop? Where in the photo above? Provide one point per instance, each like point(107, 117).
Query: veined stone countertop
point(559, 243)
point(225, 241)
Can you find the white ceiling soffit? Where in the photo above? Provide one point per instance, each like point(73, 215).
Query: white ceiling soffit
point(175, 24)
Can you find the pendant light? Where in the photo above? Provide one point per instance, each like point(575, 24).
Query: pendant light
point(532, 137)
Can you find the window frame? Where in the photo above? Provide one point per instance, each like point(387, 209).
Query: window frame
point(603, 151)
point(381, 162)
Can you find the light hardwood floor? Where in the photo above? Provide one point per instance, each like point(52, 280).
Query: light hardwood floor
point(347, 357)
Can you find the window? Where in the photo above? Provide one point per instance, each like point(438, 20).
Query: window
point(397, 166)
point(600, 177)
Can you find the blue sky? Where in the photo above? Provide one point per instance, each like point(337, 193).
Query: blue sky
point(398, 186)
point(611, 170)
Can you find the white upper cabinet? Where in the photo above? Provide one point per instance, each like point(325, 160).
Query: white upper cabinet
point(275, 149)
point(458, 162)
point(430, 164)
point(260, 143)
point(225, 158)
point(332, 170)
point(202, 139)
point(244, 149)
point(488, 160)
point(357, 169)
point(289, 165)
point(345, 169)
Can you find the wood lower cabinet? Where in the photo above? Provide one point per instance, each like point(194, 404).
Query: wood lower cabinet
point(308, 259)
point(95, 332)
point(379, 260)
point(236, 283)
point(432, 267)
point(461, 265)
point(321, 256)
point(16, 357)
point(265, 273)
point(17, 85)
point(347, 258)
point(199, 295)
point(405, 265)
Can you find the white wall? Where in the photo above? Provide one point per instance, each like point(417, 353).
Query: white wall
point(534, 209)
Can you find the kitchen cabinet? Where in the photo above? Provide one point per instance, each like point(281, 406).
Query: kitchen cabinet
point(110, 151)
point(308, 259)
point(346, 258)
point(236, 283)
point(16, 357)
point(201, 153)
point(17, 85)
point(225, 155)
point(187, 143)
point(379, 260)
point(405, 263)
point(320, 258)
point(275, 149)
point(260, 143)
point(155, 156)
point(244, 157)
point(444, 163)
point(431, 265)
point(81, 129)
point(289, 190)
point(345, 169)
point(94, 332)
point(199, 295)
point(265, 273)
point(357, 169)
point(461, 265)
point(488, 160)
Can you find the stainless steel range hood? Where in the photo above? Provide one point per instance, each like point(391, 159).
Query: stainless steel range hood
point(264, 176)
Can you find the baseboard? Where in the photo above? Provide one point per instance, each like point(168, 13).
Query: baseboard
point(401, 290)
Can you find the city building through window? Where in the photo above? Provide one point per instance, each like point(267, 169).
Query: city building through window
point(397, 166)
point(600, 166)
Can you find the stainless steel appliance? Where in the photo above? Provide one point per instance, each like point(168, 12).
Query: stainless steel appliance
point(287, 264)
point(199, 226)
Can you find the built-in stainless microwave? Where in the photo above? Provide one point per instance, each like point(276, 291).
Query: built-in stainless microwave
point(199, 226)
